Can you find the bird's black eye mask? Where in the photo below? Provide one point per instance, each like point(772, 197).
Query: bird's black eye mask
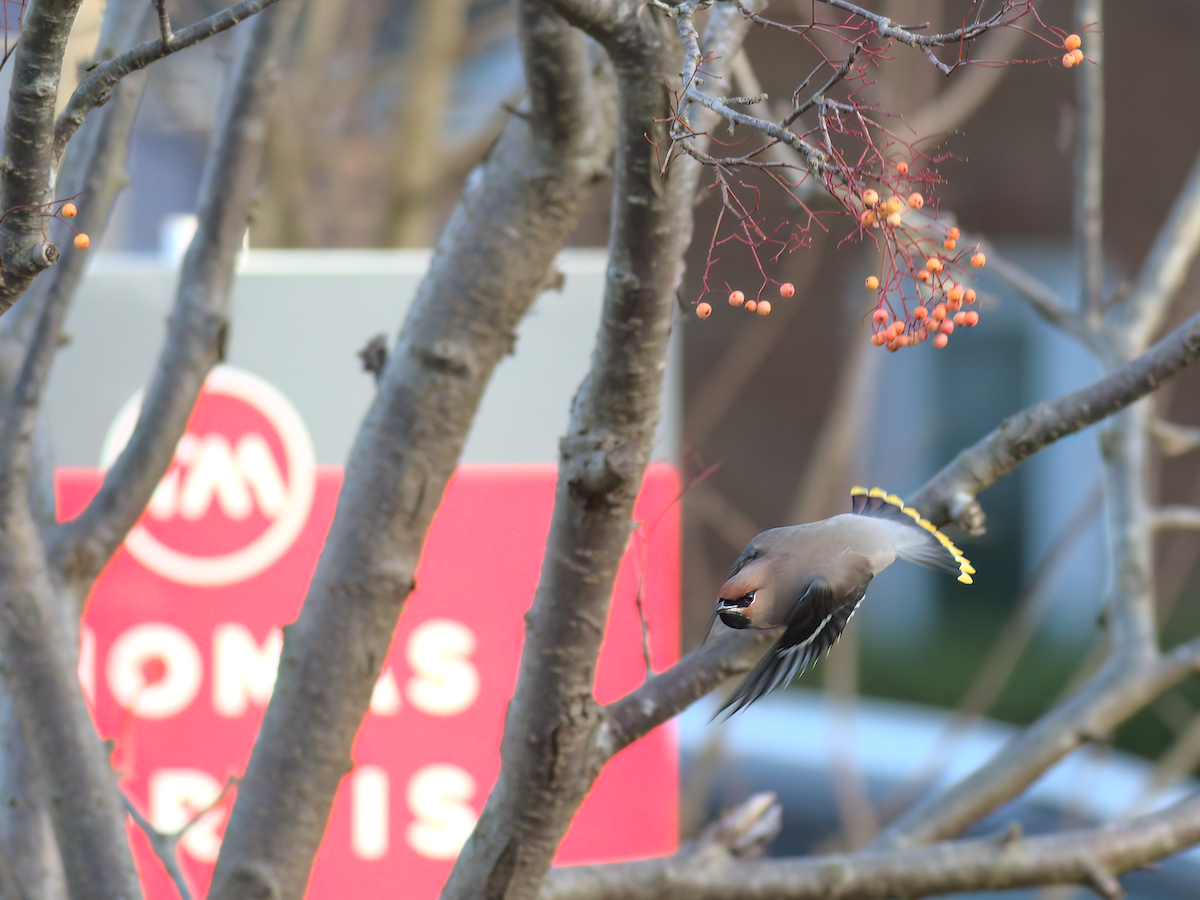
point(740, 603)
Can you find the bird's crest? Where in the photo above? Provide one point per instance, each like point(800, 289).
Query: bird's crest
point(878, 502)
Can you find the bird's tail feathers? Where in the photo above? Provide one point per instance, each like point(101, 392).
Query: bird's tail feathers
point(932, 549)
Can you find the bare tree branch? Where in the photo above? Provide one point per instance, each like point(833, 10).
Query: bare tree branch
point(1089, 161)
point(104, 156)
point(1124, 684)
point(39, 668)
point(27, 167)
point(1166, 265)
point(1124, 445)
point(1181, 517)
point(950, 495)
point(10, 885)
point(550, 752)
point(665, 695)
point(94, 89)
point(546, 762)
point(166, 844)
point(487, 269)
point(1091, 858)
point(597, 18)
point(35, 630)
point(197, 329)
point(1175, 440)
point(970, 88)
point(1041, 298)
point(164, 21)
point(165, 847)
point(889, 29)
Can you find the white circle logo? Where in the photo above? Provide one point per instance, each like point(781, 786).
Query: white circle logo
point(238, 491)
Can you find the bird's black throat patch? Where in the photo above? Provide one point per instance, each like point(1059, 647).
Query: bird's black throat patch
point(734, 619)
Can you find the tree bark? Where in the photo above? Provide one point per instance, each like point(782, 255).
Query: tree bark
point(487, 269)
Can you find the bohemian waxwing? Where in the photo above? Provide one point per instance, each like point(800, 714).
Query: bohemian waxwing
point(811, 578)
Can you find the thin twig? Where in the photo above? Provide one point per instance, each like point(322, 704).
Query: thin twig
point(1175, 440)
point(838, 75)
point(1166, 265)
point(1089, 161)
point(166, 844)
point(165, 847)
point(198, 326)
point(1178, 517)
point(94, 89)
point(164, 22)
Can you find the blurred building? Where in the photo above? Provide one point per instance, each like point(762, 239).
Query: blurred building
point(389, 103)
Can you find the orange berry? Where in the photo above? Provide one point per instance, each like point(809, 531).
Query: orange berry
point(895, 205)
point(947, 327)
point(1068, 60)
point(870, 197)
point(751, 305)
point(81, 241)
point(919, 313)
point(971, 318)
point(954, 304)
point(915, 200)
point(923, 275)
point(868, 218)
point(940, 340)
point(703, 310)
point(949, 244)
point(968, 296)
point(68, 210)
point(787, 289)
point(896, 329)
point(922, 334)
point(1077, 55)
point(764, 308)
point(872, 283)
point(933, 264)
point(978, 261)
point(1072, 42)
point(737, 298)
point(877, 339)
point(893, 345)
point(956, 292)
point(939, 312)
point(959, 318)
point(879, 316)
point(902, 168)
point(894, 219)
point(953, 234)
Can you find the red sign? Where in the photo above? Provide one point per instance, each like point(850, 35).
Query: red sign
point(181, 642)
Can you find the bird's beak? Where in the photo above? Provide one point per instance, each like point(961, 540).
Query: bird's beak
point(729, 605)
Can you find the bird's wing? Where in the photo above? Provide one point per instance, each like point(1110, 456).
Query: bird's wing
point(917, 540)
point(816, 623)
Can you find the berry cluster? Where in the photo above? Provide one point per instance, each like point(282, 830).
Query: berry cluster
point(937, 288)
point(787, 290)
